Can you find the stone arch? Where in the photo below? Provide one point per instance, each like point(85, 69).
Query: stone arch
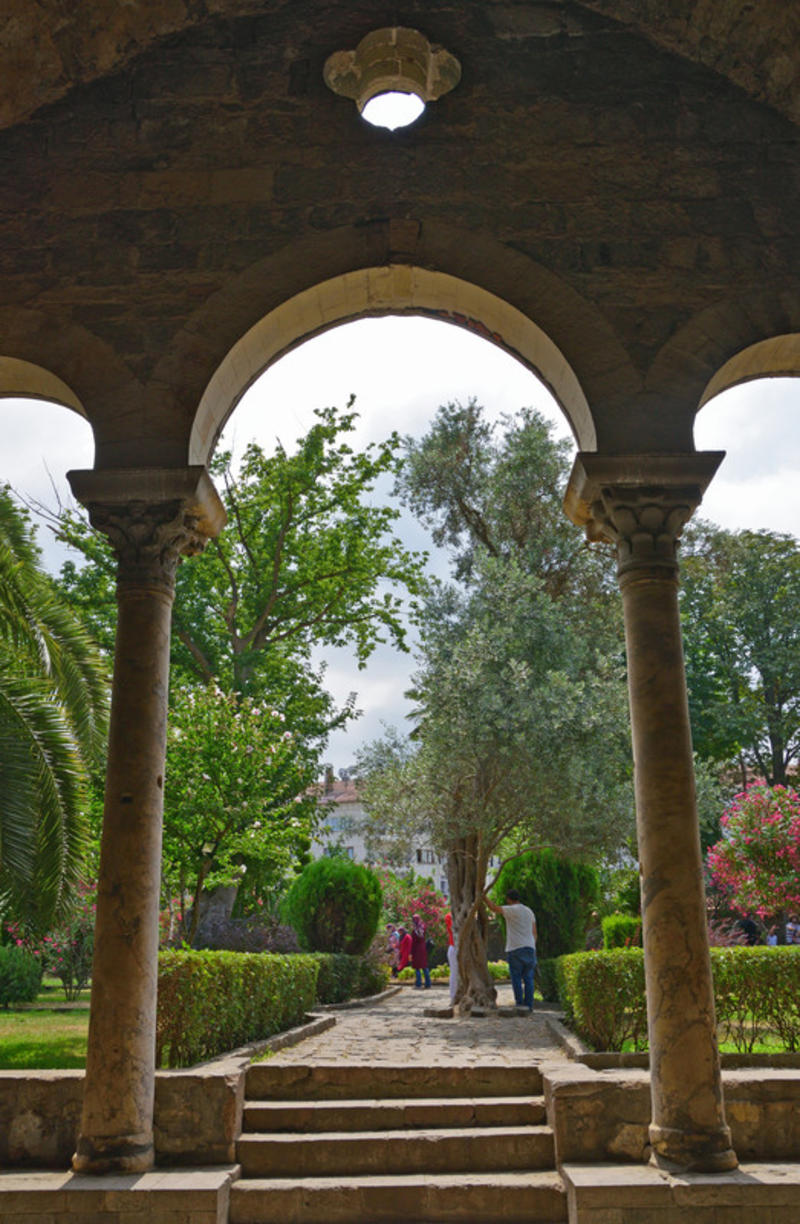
point(24, 380)
point(693, 359)
point(376, 291)
point(777, 357)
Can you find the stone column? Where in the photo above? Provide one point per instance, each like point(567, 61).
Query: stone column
point(641, 504)
point(151, 519)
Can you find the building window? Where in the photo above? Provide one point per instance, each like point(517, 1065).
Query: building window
point(426, 856)
point(350, 852)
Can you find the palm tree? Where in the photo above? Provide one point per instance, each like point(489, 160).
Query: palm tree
point(53, 697)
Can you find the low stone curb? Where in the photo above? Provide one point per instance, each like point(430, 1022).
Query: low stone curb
point(312, 1025)
point(367, 1001)
point(572, 1046)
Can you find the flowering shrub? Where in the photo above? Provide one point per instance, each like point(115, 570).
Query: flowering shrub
point(757, 861)
point(404, 896)
point(68, 949)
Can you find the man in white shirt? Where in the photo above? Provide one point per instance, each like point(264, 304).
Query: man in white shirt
point(520, 945)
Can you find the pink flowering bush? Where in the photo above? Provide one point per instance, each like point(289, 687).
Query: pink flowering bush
point(756, 864)
point(68, 949)
point(404, 896)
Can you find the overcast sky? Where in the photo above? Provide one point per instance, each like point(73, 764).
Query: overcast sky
point(400, 370)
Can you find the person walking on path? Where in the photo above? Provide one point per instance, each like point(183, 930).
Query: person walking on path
point(520, 945)
point(419, 953)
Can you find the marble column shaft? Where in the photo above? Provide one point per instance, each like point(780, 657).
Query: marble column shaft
point(116, 1132)
point(644, 520)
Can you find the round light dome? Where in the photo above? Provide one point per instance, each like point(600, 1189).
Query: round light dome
point(393, 109)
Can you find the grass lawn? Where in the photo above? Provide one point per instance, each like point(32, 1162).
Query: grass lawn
point(46, 1034)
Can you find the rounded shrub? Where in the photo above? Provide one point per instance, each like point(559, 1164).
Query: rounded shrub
point(334, 906)
point(20, 976)
point(561, 893)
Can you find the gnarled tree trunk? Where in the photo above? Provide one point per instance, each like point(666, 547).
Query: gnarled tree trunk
point(467, 861)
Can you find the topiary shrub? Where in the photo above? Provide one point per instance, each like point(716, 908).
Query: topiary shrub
point(622, 931)
point(561, 893)
point(20, 976)
point(334, 906)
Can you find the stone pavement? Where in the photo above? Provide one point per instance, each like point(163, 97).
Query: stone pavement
point(396, 1031)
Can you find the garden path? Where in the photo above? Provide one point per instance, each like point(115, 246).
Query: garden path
point(395, 1030)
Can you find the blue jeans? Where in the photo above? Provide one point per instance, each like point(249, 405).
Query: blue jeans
point(418, 975)
point(521, 966)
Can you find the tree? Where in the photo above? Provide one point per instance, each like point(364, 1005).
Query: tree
point(521, 734)
point(741, 591)
point(307, 559)
point(53, 692)
point(757, 861)
point(239, 808)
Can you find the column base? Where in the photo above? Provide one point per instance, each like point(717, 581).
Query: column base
point(120, 1154)
point(691, 1152)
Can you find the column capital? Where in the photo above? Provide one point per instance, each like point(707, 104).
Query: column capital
point(152, 517)
point(640, 503)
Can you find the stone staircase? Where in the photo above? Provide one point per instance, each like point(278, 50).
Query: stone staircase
point(331, 1143)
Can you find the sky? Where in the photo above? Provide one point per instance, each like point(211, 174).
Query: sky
point(400, 370)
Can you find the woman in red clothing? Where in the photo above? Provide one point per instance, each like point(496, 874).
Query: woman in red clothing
point(404, 948)
point(419, 953)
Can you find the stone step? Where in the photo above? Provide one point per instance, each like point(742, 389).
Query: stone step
point(358, 1081)
point(489, 1198)
point(402, 1113)
point(455, 1150)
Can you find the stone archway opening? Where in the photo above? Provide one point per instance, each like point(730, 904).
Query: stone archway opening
point(750, 409)
point(398, 289)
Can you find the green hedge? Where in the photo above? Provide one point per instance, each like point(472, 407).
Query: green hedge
point(622, 931)
point(603, 995)
point(547, 979)
point(20, 975)
point(755, 989)
point(210, 1002)
point(342, 977)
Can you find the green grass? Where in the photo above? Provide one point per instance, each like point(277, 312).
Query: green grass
point(47, 1034)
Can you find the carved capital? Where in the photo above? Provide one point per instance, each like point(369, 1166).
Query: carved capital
point(149, 539)
point(152, 518)
point(640, 503)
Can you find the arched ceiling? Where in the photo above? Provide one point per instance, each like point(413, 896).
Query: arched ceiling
point(624, 175)
point(50, 47)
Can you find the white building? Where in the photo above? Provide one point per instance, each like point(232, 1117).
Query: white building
point(343, 828)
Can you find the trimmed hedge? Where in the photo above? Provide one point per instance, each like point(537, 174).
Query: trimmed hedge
point(342, 977)
point(210, 1002)
point(622, 931)
point(603, 995)
point(20, 975)
point(547, 979)
point(498, 972)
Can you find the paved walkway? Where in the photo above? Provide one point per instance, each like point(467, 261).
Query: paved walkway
point(396, 1031)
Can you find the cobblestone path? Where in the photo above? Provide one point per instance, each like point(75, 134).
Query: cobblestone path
point(396, 1031)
